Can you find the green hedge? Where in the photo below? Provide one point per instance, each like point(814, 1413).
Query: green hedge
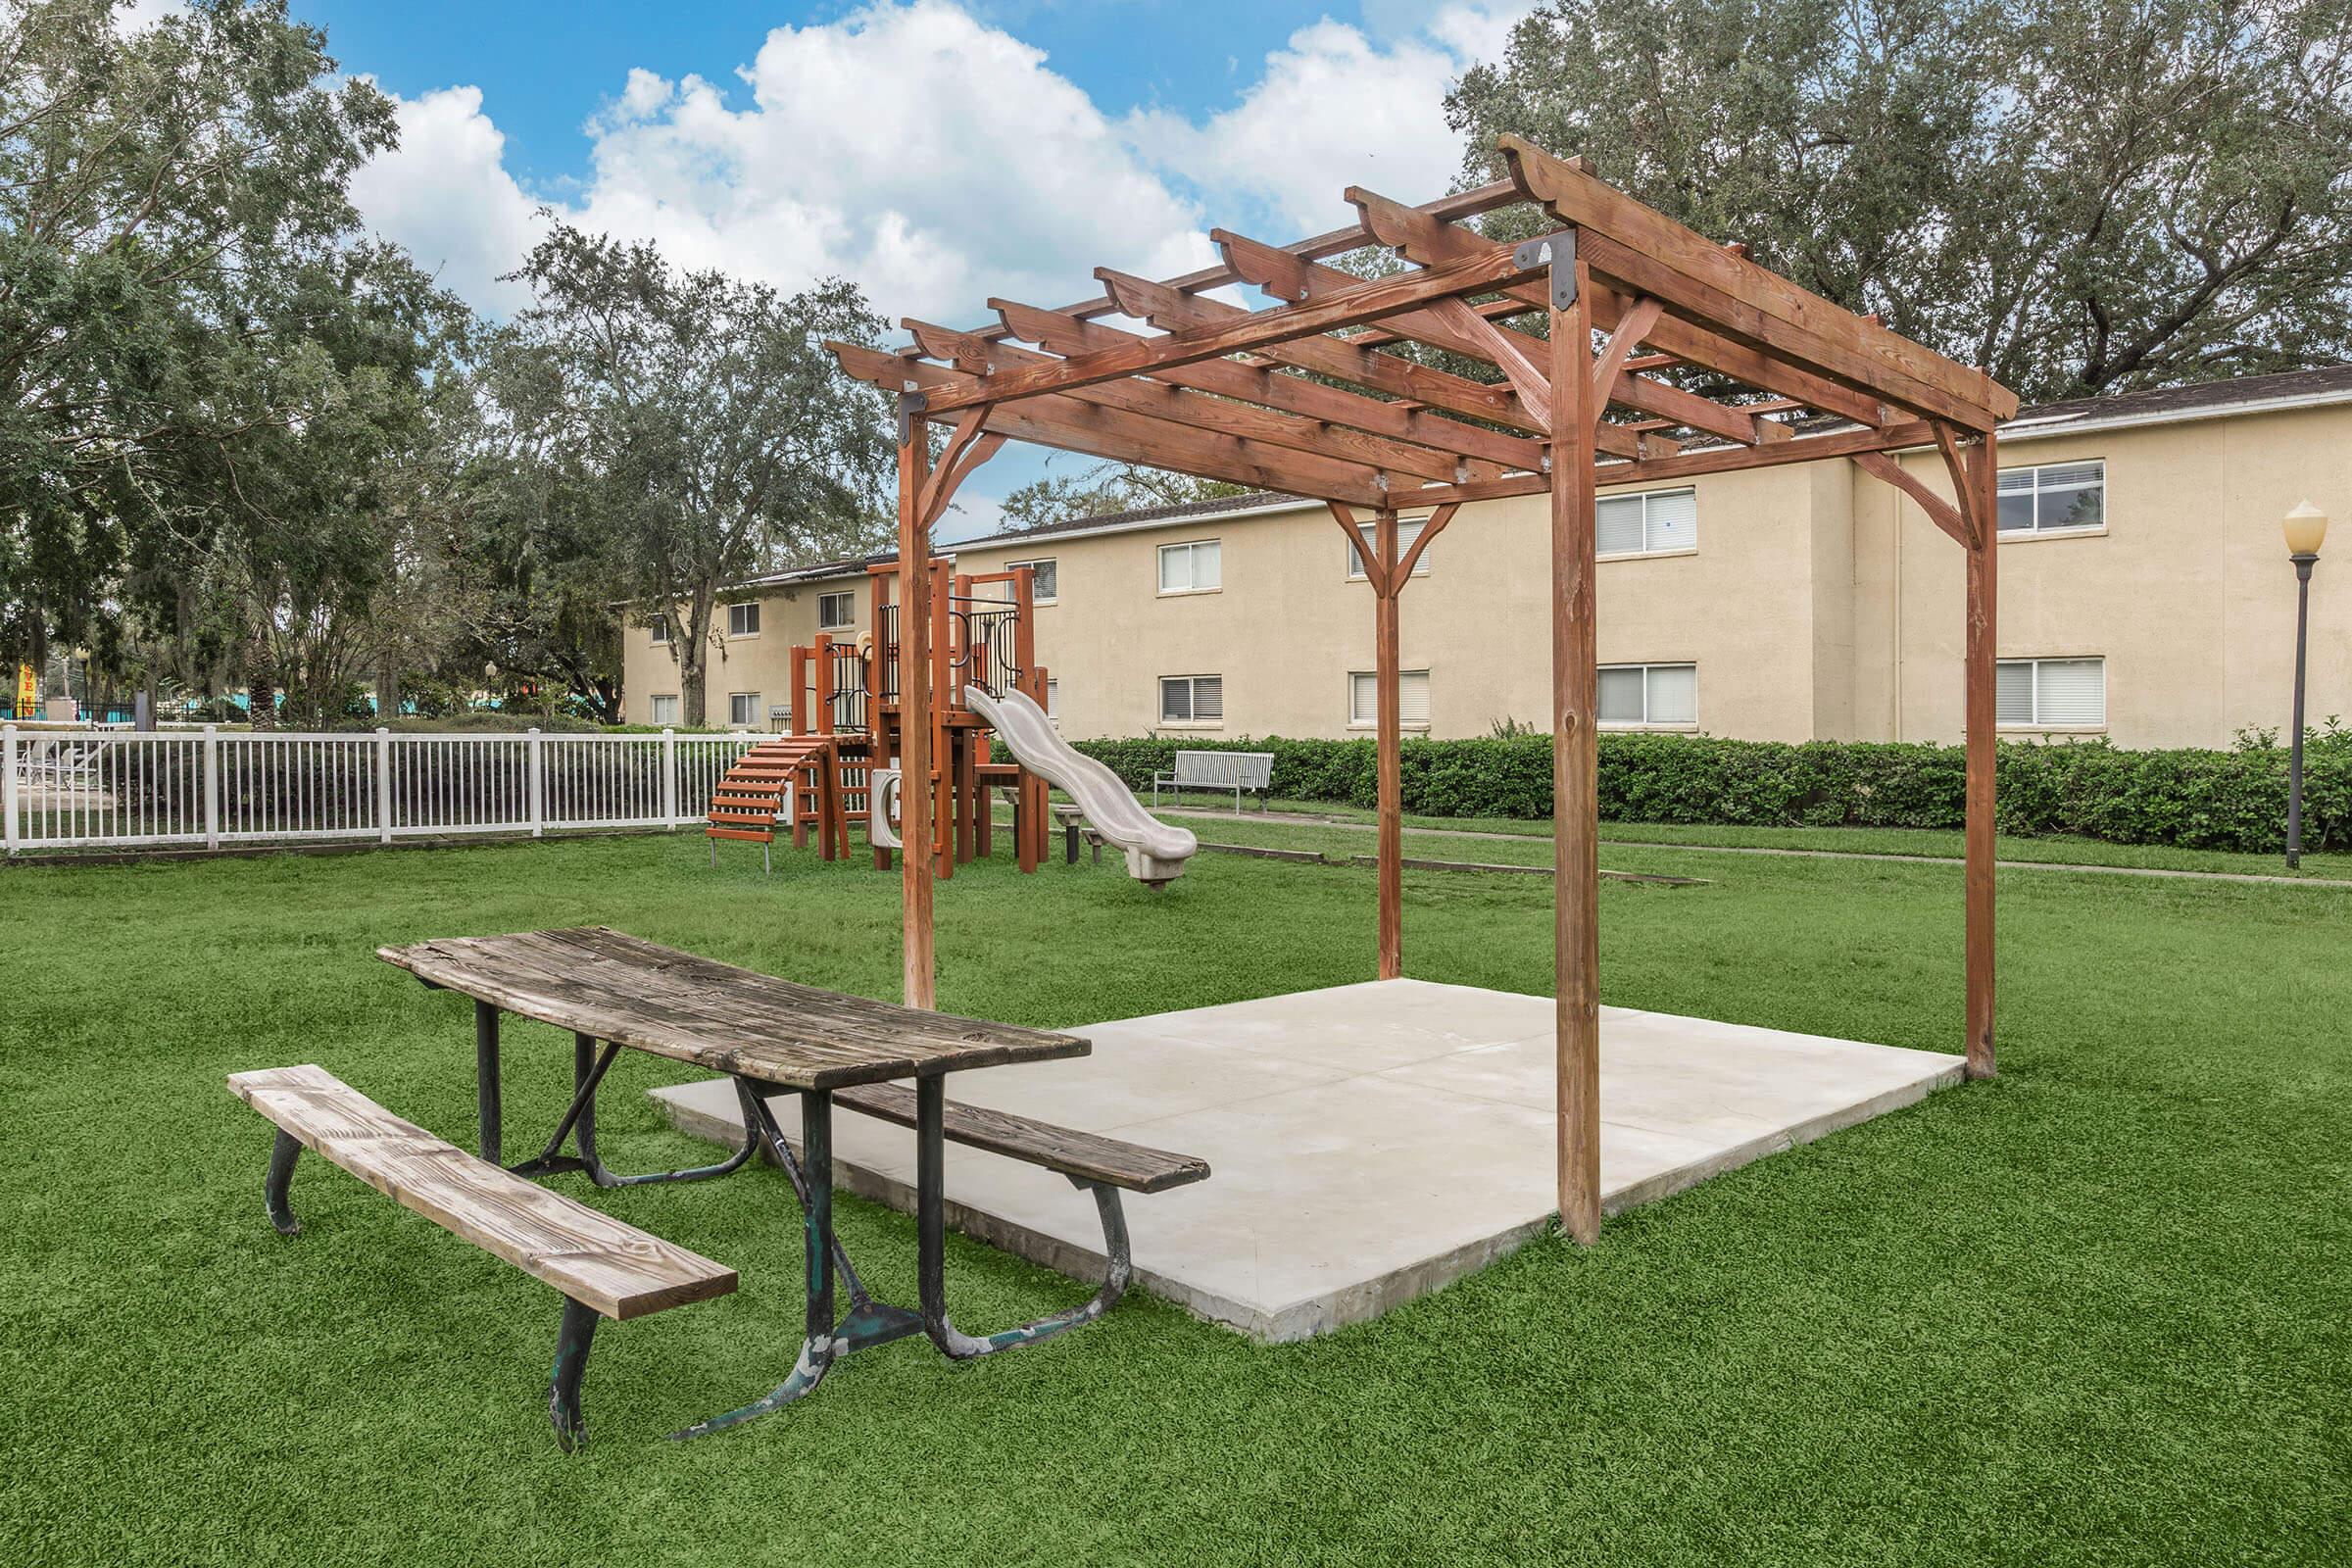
point(2209, 800)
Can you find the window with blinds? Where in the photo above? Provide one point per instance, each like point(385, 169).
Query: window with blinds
point(1191, 568)
point(1044, 579)
point(2054, 498)
point(743, 620)
point(1655, 522)
point(665, 711)
point(2050, 694)
point(1412, 698)
point(1191, 698)
point(836, 610)
point(1408, 529)
point(1638, 696)
point(743, 710)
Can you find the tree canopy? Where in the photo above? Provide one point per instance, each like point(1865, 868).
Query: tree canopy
point(696, 425)
point(2080, 196)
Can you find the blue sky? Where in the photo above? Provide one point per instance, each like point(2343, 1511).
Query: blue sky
point(937, 152)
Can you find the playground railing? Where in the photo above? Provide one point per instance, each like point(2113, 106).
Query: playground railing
point(97, 788)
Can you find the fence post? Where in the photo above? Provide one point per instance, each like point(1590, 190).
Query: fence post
point(383, 785)
point(669, 778)
point(538, 784)
point(212, 786)
point(8, 786)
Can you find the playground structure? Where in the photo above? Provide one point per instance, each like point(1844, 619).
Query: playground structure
point(845, 754)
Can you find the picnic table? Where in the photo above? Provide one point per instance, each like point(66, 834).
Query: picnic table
point(772, 1037)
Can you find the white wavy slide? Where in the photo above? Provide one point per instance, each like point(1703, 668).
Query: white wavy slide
point(1155, 851)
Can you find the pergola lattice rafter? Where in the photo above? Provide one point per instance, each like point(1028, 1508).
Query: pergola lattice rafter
point(1705, 354)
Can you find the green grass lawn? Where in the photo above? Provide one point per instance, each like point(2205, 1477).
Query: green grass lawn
point(2095, 1310)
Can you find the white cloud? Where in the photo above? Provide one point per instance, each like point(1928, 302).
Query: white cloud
point(445, 194)
point(1334, 107)
point(938, 161)
point(992, 174)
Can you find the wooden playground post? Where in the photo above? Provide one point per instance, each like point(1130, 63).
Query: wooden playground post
point(940, 700)
point(799, 720)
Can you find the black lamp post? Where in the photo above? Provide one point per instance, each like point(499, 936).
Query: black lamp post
point(2306, 526)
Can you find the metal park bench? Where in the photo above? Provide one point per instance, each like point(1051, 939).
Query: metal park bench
point(1217, 771)
point(772, 1038)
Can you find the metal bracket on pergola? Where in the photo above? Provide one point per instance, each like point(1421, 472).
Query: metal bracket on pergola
point(1710, 362)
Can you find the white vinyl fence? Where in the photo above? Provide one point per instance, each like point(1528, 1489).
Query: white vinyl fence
point(112, 788)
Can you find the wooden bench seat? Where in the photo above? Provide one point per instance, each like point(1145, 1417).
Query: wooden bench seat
point(1082, 1156)
point(605, 1267)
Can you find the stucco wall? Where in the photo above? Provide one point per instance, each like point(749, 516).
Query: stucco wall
point(1818, 602)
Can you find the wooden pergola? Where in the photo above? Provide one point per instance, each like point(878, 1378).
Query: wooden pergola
point(1707, 363)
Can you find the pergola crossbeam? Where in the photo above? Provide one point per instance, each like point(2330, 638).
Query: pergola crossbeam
point(1068, 336)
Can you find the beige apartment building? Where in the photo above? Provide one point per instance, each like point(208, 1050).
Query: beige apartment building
point(2144, 595)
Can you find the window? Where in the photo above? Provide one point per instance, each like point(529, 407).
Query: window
point(1191, 698)
point(1649, 695)
point(1041, 577)
point(1412, 698)
point(743, 710)
point(836, 610)
point(1656, 522)
point(1407, 530)
point(743, 620)
point(661, 630)
point(2054, 498)
point(666, 710)
point(2050, 694)
point(1189, 568)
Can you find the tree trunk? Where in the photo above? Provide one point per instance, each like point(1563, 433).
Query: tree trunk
point(387, 692)
point(261, 685)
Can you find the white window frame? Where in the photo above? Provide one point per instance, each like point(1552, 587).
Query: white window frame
point(752, 604)
point(653, 707)
point(1159, 567)
point(1408, 529)
point(2035, 724)
point(1649, 549)
point(1670, 726)
point(847, 622)
point(1036, 598)
point(659, 627)
point(1192, 702)
point(1371, 719)
point(2078, 531)
point(738, 700)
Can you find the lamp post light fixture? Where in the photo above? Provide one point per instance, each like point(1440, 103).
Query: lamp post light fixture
point(2305, 527)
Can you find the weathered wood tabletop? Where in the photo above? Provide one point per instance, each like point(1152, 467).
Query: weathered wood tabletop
point(604, 982)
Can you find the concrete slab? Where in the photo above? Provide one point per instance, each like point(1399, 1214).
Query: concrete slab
point(1370, 1143)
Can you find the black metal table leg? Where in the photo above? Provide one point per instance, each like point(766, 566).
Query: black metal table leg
point(486, 1077)
point(825, 1340)
point(931, 1240)
point(588, 1069)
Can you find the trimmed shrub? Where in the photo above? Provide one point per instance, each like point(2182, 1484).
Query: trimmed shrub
point(2192, 798)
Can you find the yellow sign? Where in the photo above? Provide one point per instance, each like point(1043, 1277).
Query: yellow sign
point(28, 693)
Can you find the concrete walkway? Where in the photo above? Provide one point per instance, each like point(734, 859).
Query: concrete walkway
point(1304, 819)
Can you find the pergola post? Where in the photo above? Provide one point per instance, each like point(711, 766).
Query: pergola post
point(1575, 753)
point(1390, 721)
point(1983, 756)
point(920, 985)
